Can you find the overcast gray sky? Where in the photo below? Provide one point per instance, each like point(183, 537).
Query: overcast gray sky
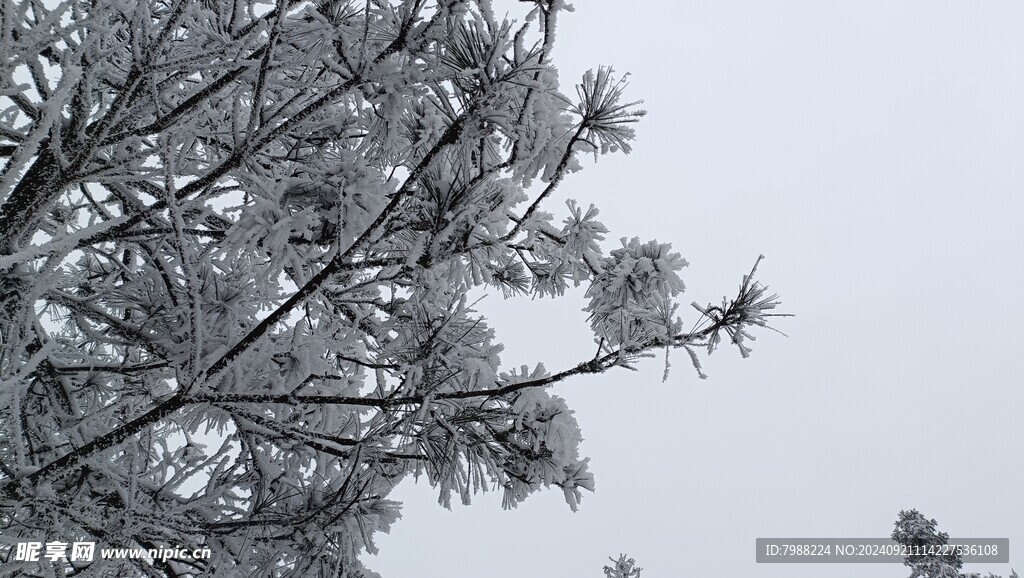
point(873, 151)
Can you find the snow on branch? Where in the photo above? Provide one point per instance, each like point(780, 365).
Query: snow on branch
point(238, 251)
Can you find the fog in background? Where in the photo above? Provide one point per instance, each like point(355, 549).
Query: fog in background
point(873, 152)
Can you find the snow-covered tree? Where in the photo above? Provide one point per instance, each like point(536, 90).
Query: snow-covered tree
point(622, 568)
point(237, 243)
point(913, 529)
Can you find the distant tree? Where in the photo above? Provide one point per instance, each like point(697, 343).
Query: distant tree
point(623, 568)
point(913, 529)
point(237, 247)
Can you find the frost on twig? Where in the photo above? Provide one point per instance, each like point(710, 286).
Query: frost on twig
point(751, 307)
